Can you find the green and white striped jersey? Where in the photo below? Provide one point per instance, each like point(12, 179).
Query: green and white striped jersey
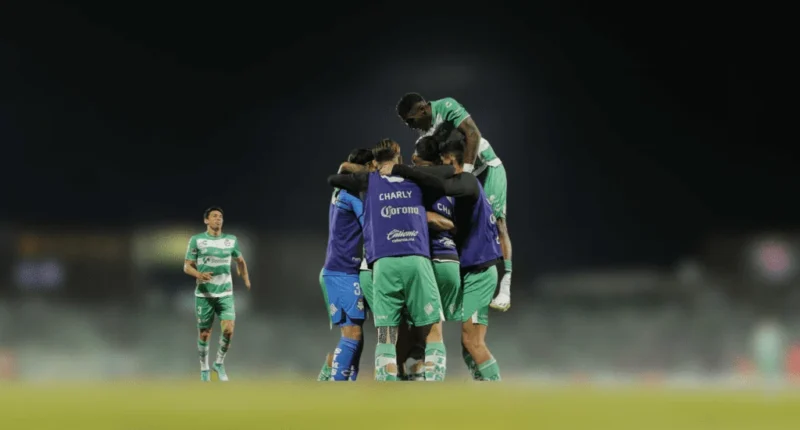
point(214, 254)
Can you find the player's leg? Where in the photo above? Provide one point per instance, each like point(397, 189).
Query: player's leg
point(204, 311)
point(425, 308)
point(365, 279)
point(478, 290)
point(496, 188)
point(448, 280)
point(226, 309)
point(325, 372)
point(388, 297)
point(345, 292)
point(403, 347)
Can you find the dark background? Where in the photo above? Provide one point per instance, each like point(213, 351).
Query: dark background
point(614, 122)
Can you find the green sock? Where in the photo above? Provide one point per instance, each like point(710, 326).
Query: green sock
point(507, 265)
point(325, 373)
point(202, 350)
point(489, 370)
point(435, 361)
point(471, 365)
point(385, 355)
point(224, 343)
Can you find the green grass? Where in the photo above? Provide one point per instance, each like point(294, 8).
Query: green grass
point(329, 406)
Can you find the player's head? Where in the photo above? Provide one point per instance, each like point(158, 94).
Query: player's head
point(387, 150)
point(452, 153)
point(212, 217)
point(415, 111)
point(361, 157)
point(426, 152)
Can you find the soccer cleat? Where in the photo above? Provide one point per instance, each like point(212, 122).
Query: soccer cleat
point(503, 300)
point(220, 369)
point(205, 375)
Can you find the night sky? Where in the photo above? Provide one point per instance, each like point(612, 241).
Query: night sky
point(628, 135)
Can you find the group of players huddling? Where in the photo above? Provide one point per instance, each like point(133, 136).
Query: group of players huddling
point(432, 236)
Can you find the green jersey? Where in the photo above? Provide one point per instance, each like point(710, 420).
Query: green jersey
point(448, 114)
point(214, 254)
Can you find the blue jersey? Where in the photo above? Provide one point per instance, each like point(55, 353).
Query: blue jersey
point(345, 219)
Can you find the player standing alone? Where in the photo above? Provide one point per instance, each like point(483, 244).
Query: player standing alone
point(437, 119)
point(208, 260)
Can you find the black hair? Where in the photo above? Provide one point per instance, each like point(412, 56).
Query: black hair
point(454, 148)
point(407, 102)
point(427, 149)
point(212, 209)
point(384, 150)
point(360, 156)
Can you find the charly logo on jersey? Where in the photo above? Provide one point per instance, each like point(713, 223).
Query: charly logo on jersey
point(332, 309)
point(202, 243)
point(492, 219)
point(396, 236)
point(390, 211)
point(444, 209)
point(393, 179)
point(447, 242)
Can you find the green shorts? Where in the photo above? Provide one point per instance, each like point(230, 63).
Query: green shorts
point(448, 280)
point(495, 186)
point(478, 293)
point(365, 279)
point(207, 307)
point(408, 282)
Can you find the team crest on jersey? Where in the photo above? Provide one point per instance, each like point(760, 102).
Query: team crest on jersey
point(332, 309)
point(360, 304)
point(227, 242)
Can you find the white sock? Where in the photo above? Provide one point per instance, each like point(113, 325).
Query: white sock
point(202, 350)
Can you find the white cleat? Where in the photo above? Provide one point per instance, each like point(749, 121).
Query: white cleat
point(503, 300)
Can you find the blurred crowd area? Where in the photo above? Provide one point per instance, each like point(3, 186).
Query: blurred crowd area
point(105, 304)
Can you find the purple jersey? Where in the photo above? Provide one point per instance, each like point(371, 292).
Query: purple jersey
point(481, 244)
point(395, 222)
point(345, 218)
point(442, 244)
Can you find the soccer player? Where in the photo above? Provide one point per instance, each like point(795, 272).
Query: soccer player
point(437, 119)
point(479, 249)
point(340, 279)
point(398, 247)
point(208, 260)
point(444, 254)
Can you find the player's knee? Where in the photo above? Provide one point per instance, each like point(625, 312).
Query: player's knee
point(205, 334)
point(227, 328)
point(352, 332)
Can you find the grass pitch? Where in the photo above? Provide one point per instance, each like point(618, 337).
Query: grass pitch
point(329, 406)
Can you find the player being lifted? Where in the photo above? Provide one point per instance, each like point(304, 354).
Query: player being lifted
point(340, 281)
point(437, 119)
point(208, 260)
point(396, 238)
point(479, 249)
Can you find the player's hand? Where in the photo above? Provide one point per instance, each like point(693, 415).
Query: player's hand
point(386, 169)
point(205, 276)
point(247, 284)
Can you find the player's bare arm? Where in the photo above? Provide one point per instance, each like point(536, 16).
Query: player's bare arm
point(473, 140)
point(241, 270)
point(439, 222)
point(190, 268)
